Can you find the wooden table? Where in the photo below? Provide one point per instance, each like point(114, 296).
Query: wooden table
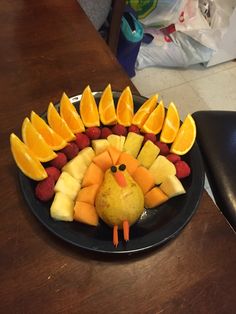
point(48, 47)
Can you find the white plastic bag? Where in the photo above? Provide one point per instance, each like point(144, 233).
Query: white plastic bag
point(208, 28)
point(177, 50)
point(200, 28)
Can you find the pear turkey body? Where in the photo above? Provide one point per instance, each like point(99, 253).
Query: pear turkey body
point(115, 204)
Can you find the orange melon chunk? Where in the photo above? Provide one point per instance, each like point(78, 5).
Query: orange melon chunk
point(88, 194)
point(103, 160)
point(114, 153)
point(130, 162)
point(93, 175)
point(154, 197)
point(85, 213)
point(144, 179)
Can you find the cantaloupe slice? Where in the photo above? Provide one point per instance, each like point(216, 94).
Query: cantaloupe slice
point(103, 161)
point(144, 179)
point(130, 162)
point(93, 175)
point(154, 197)
point(114, 153)
point(85, 213)
point(88, 194)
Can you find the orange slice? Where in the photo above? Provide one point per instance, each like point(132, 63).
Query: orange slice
point(185, 137)
point(58, 124)
point(171, 124)
point(36, 143)
point(106, 107)
point(88, 109)
point(70, 115)
point(54, 140)
point(25, 159)
point(144, 111)
point(125, 107)
point(154, 122)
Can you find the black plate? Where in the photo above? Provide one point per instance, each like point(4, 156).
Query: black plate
point(155, 227)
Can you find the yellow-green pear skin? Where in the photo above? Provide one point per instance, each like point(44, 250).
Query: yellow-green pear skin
point(114, 203)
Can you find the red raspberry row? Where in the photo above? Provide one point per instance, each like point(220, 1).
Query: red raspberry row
point(45, 189)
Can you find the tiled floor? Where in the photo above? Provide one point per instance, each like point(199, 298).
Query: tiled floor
point(192, 89)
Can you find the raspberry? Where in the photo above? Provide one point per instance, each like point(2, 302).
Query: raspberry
point(173, 158)
point(44, 190)
point(59, 161)
point(134, 128)
point(119, 129)
point(71, 150)
point(93, 133)
point(82, 140)
point(150, 137)
point(182, 169)
point(164, 149)
point(105, 132)
point(53, 172)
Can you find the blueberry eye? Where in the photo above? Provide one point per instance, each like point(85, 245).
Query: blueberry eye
point(113, 169)
point(122, 167)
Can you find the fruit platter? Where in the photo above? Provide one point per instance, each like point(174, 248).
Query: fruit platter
point(109, 171)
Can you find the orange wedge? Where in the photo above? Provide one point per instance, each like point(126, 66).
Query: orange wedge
point(58, 124)
point(70, 115)
point(154, 122)
point(185, 137)
point(36, 143)
point(125, 107)
point(25, 159)
point(54, 140)
point(106, 107)
point(144, 111)
point(171, 124)
point(88, 109)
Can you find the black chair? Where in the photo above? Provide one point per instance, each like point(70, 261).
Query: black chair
point(216, 137)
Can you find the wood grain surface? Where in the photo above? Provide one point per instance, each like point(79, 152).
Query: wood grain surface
point(48, 47)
